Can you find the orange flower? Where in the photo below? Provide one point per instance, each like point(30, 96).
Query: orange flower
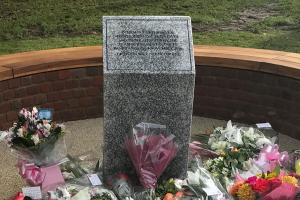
point(233, 190)
point(245, 192)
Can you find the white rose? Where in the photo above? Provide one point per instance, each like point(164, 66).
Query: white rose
point(221, 145)
point(35, 138)
point(20, 132)
point(47, 126)
point(35, 110)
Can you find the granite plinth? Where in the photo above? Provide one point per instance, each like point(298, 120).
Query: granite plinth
point(152, 80)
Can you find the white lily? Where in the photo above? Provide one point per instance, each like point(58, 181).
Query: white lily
point(232, 133)
point(35, 138)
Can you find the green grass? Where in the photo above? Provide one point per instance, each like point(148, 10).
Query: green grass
point(37, 24)
point(283, 40)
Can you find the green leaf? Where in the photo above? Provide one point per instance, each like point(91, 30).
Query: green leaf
point(277, 170)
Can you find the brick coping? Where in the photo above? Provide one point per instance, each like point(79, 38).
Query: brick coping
point(269, 61)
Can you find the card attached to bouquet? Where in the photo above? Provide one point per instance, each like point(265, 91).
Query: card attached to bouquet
point(45, 114)
point(94, 179)
point(52, 178)
point(266, 125)
point(211, 189)
point(32, 192)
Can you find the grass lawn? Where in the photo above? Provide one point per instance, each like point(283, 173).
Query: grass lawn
point(38, 24)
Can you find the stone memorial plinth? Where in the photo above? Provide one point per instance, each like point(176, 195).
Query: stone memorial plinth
point(149, 76)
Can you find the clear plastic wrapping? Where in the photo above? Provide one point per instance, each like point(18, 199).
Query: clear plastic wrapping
point(151, 149)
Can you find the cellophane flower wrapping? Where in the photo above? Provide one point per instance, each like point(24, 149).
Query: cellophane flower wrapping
point(151, 150)
point(35, 140)
point(202, 183)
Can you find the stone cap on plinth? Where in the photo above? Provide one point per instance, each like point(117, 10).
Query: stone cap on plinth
point(148, 44)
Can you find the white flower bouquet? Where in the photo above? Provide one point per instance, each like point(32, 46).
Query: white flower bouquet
point(35, 140)
point(236, 147)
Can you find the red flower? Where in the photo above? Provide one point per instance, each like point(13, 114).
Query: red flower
point(251, 180)
point(261, 186)
point(275, 182)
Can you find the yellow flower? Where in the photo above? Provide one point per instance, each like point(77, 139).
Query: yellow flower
point(271, 175)
point(245, 192)
point(290, 179)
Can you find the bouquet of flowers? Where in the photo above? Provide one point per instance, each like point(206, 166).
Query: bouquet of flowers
point(235, 146)
point(275, 185)
point(150, 150)
point(35, 140)
point(198, 185)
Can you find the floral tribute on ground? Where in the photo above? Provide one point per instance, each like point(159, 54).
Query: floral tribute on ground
point(234, 163)
point(33, 139)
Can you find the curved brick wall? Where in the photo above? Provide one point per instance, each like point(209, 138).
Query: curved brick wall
point(73, 93)
point(246, 85)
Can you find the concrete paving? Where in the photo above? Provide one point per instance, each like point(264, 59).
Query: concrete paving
point(87, 136)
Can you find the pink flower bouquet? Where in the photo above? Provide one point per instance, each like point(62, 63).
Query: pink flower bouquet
point(151, 150)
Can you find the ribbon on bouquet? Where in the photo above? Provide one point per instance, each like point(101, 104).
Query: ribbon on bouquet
point(31, 173)
point(269, 157)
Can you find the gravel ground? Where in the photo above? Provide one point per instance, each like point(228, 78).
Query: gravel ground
point(86, 136)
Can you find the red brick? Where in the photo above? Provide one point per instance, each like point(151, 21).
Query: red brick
point(78, 93)
point(16, 104)
point(269, 80)
point(46, 87)
point(59, 105)
point(38, 78)
point(3, 85)
point(79, 73)
point(98, 81)
point(85, 83)
point(295, 85)
point(5, 107)
point(209, 80)
point(47, 105)
point(58, 85)
point(53, 96)
point(9, 94)
point(64, 74)
point(28, 101)
point(64, 95)
point(11, 116)
point(93, 71)
point(34, 89)
point(14, 83)
point(25, 81)
point(71, 84)
point(21, 92)
point(86, 101)
point(2, 118)
point(40, 99)
point(93, 111)
point(51, 76)
point(73, 103)
point(93, 91)
point(5, 126)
